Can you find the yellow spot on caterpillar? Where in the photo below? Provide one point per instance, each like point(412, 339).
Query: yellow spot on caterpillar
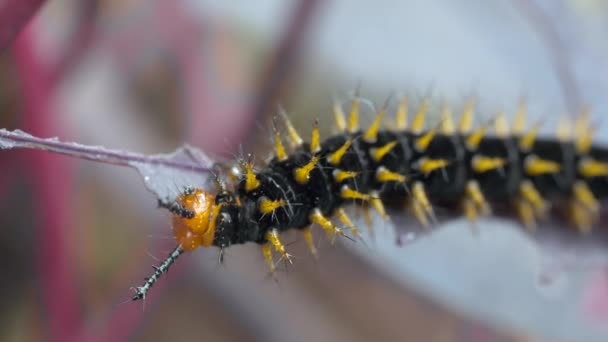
point(590, 168)
point(383, 175)
point(501, 126)
point(526, 142)
point(526, 214)
point(353, 120)
point(267, 206)
point(519, 122)
point(336, 157)
point(348, 193)
point(251, 180)
point(427, 165)
point(377, 204)
point(267, 252)
point(583, 194)
point(346, 221)
point(341, 175)
point(474, 139)
point(380, 152)
point(481, 164)
point(273, 238)
point(401, 120)
point(536, 166)
point(339, 117)
point(420, 117)
point(423, 142)
point(447, 122)
point(315, 140)
point(307, 232)
point(294, 137)
point(532, 196)
point(372, 132)
point(302, 174)
point(279, 148)
point(466, 120)
point(317, 217)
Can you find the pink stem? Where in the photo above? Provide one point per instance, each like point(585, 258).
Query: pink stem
point(51, 180)
point(14, 15)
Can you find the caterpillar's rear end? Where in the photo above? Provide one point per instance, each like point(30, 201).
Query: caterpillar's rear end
point(406, 167)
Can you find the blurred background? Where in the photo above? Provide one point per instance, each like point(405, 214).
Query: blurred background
point(150, 75)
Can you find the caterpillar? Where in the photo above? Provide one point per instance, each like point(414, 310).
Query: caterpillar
point(405, 167)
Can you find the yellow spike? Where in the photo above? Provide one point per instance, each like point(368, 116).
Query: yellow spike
point(536, 166)
point(420, 196)
point(466, 120)
point(481, 163)
point(423, 142)
point(526, 214)
point(583, 130)
point(301, 174)
point(383, 175)
point(353, 120)
point(371, 134)
point(348, 193)
point(584, 143)
point(583, 220)
point(447, 122)
point(335, 157)
point(310, 242)
point(530, 194)
point(279, 148)
point(427, 165)
point(501, 126)
point(367, 216)
point(380, 152)
point(317, 217)
point(474, 139)
point(339, 117)
point(583, 194)
point(267, 206)
point(420, 214)
point(474, 193)
point(347, 222)
point(519, 122)
point(267, 252)
point(273, 238)
point(470, 212)
point(420, 117)
point(402, 114)
point(590, 168)
point(526, 142)
point(251, 180)
point(294, 137)
point(376, 202)
point(564, 129)
point(341, 175)
point(315, 140)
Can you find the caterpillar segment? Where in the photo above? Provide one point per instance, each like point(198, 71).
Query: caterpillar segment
point(490, 169)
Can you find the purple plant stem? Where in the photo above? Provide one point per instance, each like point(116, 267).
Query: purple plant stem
point(51, 182)
point(14, 15)
point(97, 153)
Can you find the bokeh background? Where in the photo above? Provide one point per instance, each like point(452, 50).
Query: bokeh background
point(150, 75)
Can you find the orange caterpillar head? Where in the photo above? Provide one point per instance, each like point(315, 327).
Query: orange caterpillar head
point(191, 233)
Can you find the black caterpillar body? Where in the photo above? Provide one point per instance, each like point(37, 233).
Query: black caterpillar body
point(416, 169)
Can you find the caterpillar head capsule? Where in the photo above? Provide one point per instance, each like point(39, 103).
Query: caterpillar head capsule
point(197, 231)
